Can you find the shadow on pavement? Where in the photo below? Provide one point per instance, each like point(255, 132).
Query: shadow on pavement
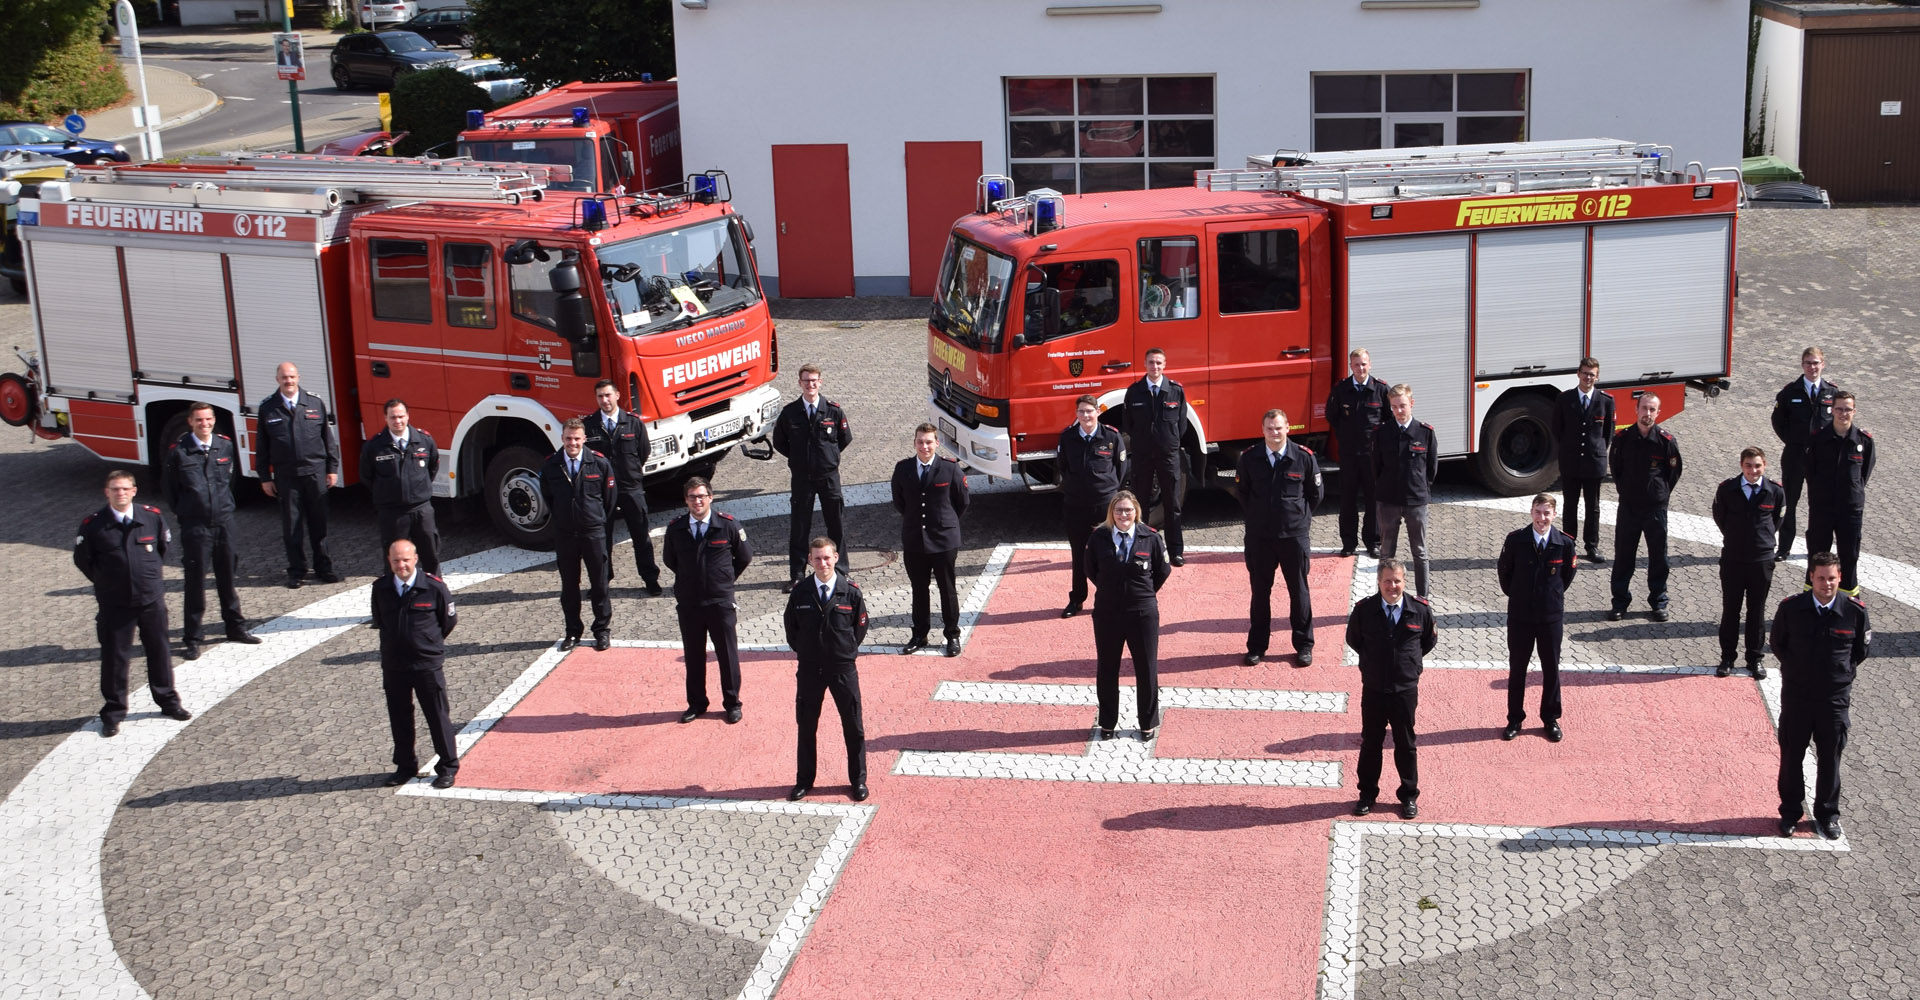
point(1227, 817)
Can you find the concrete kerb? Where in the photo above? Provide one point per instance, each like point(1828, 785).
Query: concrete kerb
point(178, 96)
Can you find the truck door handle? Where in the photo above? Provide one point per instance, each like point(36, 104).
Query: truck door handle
point(783, 229)
point(519, 380)
point(1295, 351)
point(1116, 366)
point(380, 369)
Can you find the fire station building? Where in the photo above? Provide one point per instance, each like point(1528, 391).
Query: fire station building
point(853, 130)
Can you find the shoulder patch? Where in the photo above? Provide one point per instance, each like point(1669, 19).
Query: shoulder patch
point(1304, 448)
point(223, 437)
point(1666, 433)
point(150, 509)
point(88, 519)
point(1417, 597)
point(724, 514)
point(1428, 426)
point(435, 577)
point(1858, 601)
point(1148, 528)
point(850, 583)
point(1866, 433)
point(1250, 449)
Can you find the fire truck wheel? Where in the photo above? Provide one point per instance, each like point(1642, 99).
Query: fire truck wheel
point(16, 400)
point(1516, 455)
point(514, 501)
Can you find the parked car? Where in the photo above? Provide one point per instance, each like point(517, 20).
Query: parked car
point(502, 82)
point(362, 144)
point(1787, 194)
point(374, 13)
point(33, 137)
point(445, 26)
point(380, 59)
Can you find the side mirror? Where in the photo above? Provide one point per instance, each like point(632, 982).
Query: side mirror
point(569, 307)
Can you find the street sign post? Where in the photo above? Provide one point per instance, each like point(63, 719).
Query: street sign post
point(75, 124)
point(130, 47)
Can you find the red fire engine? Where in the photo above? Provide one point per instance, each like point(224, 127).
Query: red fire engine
point(623, 135)
point(468, 289)
point(1479, 275)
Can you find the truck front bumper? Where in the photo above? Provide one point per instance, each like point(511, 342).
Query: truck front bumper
point(681, 440)
point(984, 448)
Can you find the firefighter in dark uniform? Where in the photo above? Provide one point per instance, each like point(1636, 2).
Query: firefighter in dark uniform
point(1583, 427)
point(1356, 406)
point(580, 489)
point(1645, 460)
point(1278, 483)
point(297, 458)
point(1536, 567)
point(1128, 564)
point(1820, 636)
point(414, 613)
point(930, 494)
point(707, 551)
point(812, 431)
point(120, 549)
point(1748, 509)
point(399, 466)
point(826, 622)
point(1093, 464)
point(1803, 406)
point(1839, 462)
point(197, 483)
point(1393, 631)
point(621, 438)
point(1153, 416)
point(1406, 457)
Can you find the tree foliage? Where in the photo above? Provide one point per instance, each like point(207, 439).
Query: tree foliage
point(52, 61)
point(431, 107)
point(565, 40)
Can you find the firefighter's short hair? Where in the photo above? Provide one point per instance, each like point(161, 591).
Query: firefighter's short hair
point(694, 483)
point(925, 429)
point(1813, 352)
point(1819, 559)
point(1752, 451)
point(1151, 351)
point(1545, 498)
point(605, 383)
point(1086, 400)
point(1400, 389)
point(196, 406)
point(1270, 414)
point(1590, 362)
point(391, 403)
point(823, 542)
point(1359, 352)
point(1845, 394)
point(117, 475)
point(574, 424)
point(1390, 566)
point(809, 369)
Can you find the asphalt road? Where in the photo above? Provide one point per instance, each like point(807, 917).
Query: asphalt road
point(240, 69)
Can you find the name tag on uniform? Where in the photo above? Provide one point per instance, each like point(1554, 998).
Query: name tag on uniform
point(1555, 562)
point(1296, 476)
point(1844, 633)
point(423, 604)
point(940, 484)
point(1766, 506)
point(717, 541)
point(383, 458)
point(1412, 626)
point(1419, 447)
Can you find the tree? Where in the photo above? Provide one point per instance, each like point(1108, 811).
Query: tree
point(54, 62)
point(565, 40)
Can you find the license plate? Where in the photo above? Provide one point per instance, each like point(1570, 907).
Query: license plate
point(718, 431)
point(947, 431)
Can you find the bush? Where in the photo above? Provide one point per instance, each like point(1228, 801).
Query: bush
point(432, 107)
point(79, 74)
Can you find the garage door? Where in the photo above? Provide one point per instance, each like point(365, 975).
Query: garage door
point(1407, 305)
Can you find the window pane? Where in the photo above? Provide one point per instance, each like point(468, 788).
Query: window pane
point(1112, 95)
point(1180, 95)
point(534, 299)
point(1098, 177)
point(1493, 91)
point(1500, 128)
point(1184, 137)
point(1419, 134)
point(469, 285)
point(1170, 278)
point(1420, 92)
point(1027, 140)
point(1174, 175)
point(1346, 94)
point(1089, 293)
point(1330, 134)
point(1112, 139)
point(1026, 98)
point(400, 281)
point(1058, 176)
point(1259, 271)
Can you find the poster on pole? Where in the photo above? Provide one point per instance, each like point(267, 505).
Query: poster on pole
point(288, 56)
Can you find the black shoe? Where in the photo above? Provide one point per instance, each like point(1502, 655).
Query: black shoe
point(1829, 828)
point(733, 715)
point(569, 642)
point(1177, 560)
point(913, 646)
point(443, 780)
point(859, 793)
point(1780, 557)
point(1409, 809)
point(1363, 807)
point(1072, 609)
point(1105, 734)
point(401, 777)
point(1724, 669)
point(1251, 660)
point(1554, 735)
point(177, 713)
point(602, 642)
point(1345, 551)
point(953, 647)
point(691, 714)
point(1759, 671)
point(192, 652)
point(1147, 735)
point(109, 730)
point(1305, 656)
point(1615, 615)
point(653, 589)
point(798, 792)
point(1512, 730)
point(1786, 827)
point(1373, 552)
point(296, 582)
point(328, 577)
point(1594, 557)
point(243, 637)
point(1660, 614)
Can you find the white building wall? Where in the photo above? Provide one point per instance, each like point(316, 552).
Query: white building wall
point(1777, 64)
point(226, 12)
point(874, 74)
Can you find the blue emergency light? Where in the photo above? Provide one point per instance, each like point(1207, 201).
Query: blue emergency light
point(593, 215)
point(996, 191)
point(476, 118)
point(646, 78)
point(693, 277)
point(1043, 216)
point(579, 117)
point(703, 189)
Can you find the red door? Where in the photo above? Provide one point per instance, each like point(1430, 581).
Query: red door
point(940, 184)
point(813, 215)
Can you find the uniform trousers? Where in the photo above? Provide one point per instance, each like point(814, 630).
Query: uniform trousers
point(208, 545)
point(1290, 557)
point(1378, 711)
point(1523, 639)
point(303, 515)
point(1628, 527)
point(631, 506)
point(1157, 478)
point(700, 624)
point(417, 526)
point(1078, 521)
point(800, 520)
point(813, 681)
point(1744, 582)
point(923, 567)
point(1825, 526)
point(1825, 726)
point(1572, 490)
point(1138, 629)
point(571, 552)
point(115, 627)
point(427, 682)
point(1359, 520)
point(1793, 476)
point(1391, 514)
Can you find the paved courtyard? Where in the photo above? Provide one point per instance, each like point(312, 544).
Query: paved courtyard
point(593, 848)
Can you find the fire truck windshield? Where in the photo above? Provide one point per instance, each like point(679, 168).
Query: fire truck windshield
point(970, 299)
point(575, 153)
point(677, 278)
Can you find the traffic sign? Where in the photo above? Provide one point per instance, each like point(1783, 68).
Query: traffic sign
point(75, 124)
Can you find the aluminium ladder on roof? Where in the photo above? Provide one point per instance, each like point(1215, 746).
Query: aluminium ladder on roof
point(364, 178)
point(1381, 174)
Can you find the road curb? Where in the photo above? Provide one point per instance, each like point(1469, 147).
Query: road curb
point(186, 101)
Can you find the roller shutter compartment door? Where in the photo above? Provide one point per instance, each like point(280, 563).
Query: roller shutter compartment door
point(1407, 305)
point(76, 289)
point(278, 317)
point(1529, 298)
point(178, 301)
point(1660, 298)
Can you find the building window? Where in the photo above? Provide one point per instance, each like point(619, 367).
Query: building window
point(1084, 135)
point(1388, 110)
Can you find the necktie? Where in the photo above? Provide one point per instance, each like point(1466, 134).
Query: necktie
point(573, 468)
point(1540, 544)
point(824, 597)
point(699, 530)
point(608, 423)
point(1586, 401)
point(1393, 615)
point(1153, 389)
point(925, 474)
point(809, 411)
point(1752, 491)
point(1120, 544)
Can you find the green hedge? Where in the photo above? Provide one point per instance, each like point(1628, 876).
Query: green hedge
point(432, 107)
point(77, 75)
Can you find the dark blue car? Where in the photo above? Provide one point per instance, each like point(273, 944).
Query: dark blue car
point(36, 138)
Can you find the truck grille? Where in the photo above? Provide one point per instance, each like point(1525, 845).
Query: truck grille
point(725, 385)
point(960, 402)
